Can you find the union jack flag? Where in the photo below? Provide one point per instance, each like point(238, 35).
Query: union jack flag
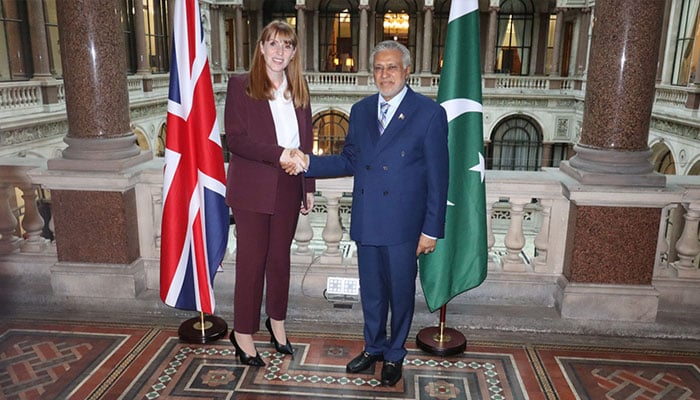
point(195, 216)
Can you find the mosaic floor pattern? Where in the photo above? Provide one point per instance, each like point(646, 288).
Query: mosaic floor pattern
point(49, 360)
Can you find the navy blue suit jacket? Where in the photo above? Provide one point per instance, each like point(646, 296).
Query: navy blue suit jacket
point(400, 177)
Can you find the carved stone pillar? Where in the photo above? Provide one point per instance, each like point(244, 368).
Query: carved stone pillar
point(547, 154)
point(515, 238)
point(582, 53)
point(693, 100)
point(315, 41)
point(240, 29)
point(556, 52)
point(37, 34)
point(215, 42)
point(40, 53)
point(427, 39)
point(364, 41)
point(301, 34)
point(332, 232)
point(143, 64)
point(489, 57)
point(9, 242)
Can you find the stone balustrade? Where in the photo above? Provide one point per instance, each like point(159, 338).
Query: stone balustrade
point(528, 228)
point(21, 225)
point(527, 224)
point(26, 99)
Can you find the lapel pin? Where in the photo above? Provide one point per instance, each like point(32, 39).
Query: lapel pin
point(401, 116)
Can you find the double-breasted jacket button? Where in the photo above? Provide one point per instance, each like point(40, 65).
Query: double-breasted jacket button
point(386, 193)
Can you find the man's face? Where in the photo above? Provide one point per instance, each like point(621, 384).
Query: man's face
point(389, 73)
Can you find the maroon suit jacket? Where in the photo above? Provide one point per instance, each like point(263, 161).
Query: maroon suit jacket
point(254, 170)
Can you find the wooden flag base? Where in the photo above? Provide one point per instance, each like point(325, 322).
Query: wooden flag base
point(202, 329)
point(439, 340)
point(449, 343)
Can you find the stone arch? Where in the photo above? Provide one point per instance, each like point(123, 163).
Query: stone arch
point(515, 144)
point(662, 159)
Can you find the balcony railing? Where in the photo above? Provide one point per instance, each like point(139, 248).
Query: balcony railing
point(26, 99)
point(528, 227)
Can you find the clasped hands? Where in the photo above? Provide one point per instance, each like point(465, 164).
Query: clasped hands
point(294, 161)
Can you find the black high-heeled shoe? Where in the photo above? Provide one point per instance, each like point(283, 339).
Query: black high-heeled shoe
point(284, 349)
point(243, 356)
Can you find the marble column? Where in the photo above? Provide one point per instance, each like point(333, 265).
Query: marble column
point(556, 52)
point(240, 63)
point(416, 69)
point(427, 39)
point(93, 189)
point(40, 53)
point(662, 43)
point(613, 238)
point(143, 64)
point(541, 43)
point(315, 41)
point(547, 154)
point(582, 53)
point(37, 35)
point(693, 100)
point(489, 57)
point(215, 42)
point(373, 29)
point(97, 99)
point(363, 42)
point(301, 34)
point(619, 97)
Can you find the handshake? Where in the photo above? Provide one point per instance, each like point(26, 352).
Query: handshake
point(294, 161)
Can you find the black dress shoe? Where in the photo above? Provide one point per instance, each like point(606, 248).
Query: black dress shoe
point(244, 357)
point(284, 349)
point(362, 362)
point(391, 373)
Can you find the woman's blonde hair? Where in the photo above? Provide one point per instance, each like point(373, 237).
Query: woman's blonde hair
point(260, 86)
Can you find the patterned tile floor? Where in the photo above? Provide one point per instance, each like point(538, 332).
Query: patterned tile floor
point(71, 360)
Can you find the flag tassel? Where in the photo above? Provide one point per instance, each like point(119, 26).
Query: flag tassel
point(441, 340)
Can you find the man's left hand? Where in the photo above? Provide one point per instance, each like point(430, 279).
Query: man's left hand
point(426, 245)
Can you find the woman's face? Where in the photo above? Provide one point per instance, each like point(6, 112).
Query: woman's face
point(277, 53)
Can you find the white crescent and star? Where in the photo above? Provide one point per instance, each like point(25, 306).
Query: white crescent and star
point(456, 107)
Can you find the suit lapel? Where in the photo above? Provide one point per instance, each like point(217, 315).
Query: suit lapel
point(301, 123)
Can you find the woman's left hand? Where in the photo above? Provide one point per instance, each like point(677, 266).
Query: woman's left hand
point(309, 204)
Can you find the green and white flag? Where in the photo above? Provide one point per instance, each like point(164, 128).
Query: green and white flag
point(460, 260)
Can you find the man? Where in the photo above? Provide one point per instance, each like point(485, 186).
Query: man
point(396, 148)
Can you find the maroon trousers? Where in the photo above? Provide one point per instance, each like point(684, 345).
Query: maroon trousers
point(263, 244)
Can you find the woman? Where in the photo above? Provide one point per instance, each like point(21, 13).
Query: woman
point(267, 115)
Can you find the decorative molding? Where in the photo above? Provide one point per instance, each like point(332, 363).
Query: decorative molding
point(675, 128)
point(31, 133)
point(562, 128)
point(149, 110)
point(512, 102)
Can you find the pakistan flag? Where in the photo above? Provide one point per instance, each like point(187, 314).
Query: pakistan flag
point(460, 260)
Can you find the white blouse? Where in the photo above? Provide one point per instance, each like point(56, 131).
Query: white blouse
point(285, 118)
